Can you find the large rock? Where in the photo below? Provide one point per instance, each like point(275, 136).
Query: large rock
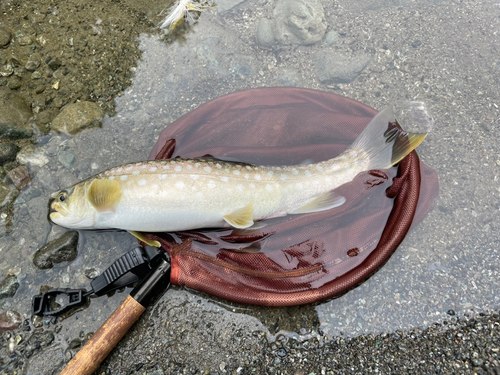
point(5, 37)
point(8, 287)
point(76, 117)
point(10, 320)
point(62, 249)
point(299, 21)
point(8, 152)
point(332, 68)
point(265, 34)
point(14, 116)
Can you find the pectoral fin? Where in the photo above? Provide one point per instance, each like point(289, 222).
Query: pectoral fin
point(242, 218)
point(142, 237)
point(104, 195)
point(324, 202)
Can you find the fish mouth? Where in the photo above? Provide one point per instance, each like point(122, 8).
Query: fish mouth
point(56, 210)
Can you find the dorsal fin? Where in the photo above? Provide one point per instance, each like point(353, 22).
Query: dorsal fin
point(222, 160)
point(104, 195)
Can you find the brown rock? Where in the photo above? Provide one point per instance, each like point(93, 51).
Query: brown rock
point(20, 177)
point(75, 117)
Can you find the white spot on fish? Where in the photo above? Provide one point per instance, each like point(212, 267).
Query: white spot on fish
point(197, 165)
point(218, 166)
point(189, 166)
point(252, 185)
point(352, 153)
point(119, 169)
point(199, 196)
point(307, 173)
point(299, 185)
point(257, 177)
point(319, 168)
point(179, 184)
point(225, 179)
point(335, 167)
point(166, 166)
point(162, 176)
point(142, 182)
point(227, 170)
point(194, 176)
point(236, 172)
point(111, 177)
point(153, 169)
point(249, 167)
point(247, 176)
point(269, 187)
point(283, 177)
point(295, 172)
point(270, 173)
point(348, 167)
point(135, 173)
point(129, 168)
point(239, 187)
point(207, 169)
point(143, 166)
point(178, 168)
point(123, 178)
point(211, 184)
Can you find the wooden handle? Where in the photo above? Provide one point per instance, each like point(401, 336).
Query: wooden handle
point(86, 361)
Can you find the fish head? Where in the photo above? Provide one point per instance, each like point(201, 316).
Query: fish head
point(70, 208)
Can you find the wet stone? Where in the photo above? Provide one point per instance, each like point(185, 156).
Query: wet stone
point(32, 65)
point(10, 320)
point(8, 287)
point(14, 83)
point(333, 68)
point(44, 117)
point(67, 159)
point(38, 339)
point(14, 112)
point(54, 64)
point(8, 152)
point(24, 40)
point(332, 37)
point(6, 70)
point(32, 157)
point(265, 34)
point(78, 116)
point(20, 177)
point(62, 249)
point(5, 37)
point(8, 194)
point(299, 21)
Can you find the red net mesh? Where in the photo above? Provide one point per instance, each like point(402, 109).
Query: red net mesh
point(297, 259)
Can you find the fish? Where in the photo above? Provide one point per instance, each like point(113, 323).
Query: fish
point(181, 10)
point(184, 194)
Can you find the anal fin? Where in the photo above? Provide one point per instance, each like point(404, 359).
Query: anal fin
point(142, 237)
point(241, 218)
point(324, 202)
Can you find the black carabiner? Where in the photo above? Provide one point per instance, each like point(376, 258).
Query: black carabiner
point(130, 268)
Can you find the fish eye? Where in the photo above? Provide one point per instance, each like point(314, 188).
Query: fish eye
point(63, 196)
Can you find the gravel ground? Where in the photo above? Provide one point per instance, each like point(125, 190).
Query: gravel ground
point(433, 308)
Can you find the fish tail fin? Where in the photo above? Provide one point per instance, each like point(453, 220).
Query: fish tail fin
point(384, 143)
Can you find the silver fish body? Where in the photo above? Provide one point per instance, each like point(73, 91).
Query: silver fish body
point(178, 194)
